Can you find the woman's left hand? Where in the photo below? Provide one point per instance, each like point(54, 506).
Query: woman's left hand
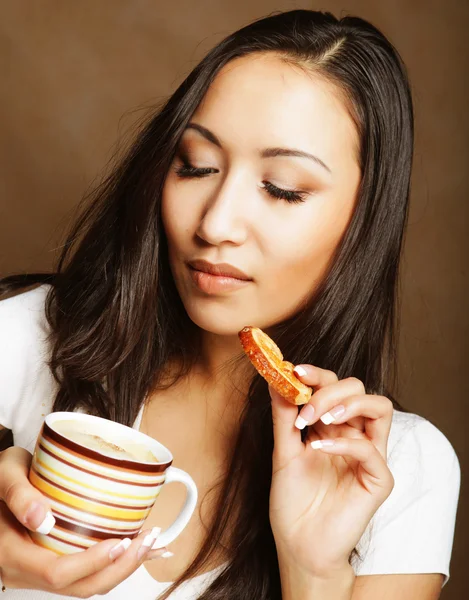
point(321, 500)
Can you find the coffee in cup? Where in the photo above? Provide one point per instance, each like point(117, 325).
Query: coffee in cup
point(119, 448)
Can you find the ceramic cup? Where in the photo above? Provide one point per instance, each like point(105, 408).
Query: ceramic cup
point(95, 496)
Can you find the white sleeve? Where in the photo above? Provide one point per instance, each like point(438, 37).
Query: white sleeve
point(412, 532)
point(25, 379)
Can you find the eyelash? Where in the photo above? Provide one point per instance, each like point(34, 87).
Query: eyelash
point(291, 196)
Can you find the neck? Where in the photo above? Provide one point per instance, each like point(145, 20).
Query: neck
point(219, 355)
point(222, 373)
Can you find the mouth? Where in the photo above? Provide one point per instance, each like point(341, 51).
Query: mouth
point(215, 279)
point(219, 270)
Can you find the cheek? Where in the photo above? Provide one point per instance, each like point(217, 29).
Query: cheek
point(299, 258)
point(296, 270)
point(176, 220)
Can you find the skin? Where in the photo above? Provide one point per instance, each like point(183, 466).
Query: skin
point(321, 500)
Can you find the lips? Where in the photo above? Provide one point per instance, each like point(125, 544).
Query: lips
point(220, 270)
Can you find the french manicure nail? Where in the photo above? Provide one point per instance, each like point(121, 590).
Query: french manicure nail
point(120, 548)
point(306, 415)
point(47, 525)
point(300, 371)
point(154, 554)
point(34, 514)
point(321, 444)
point(148, 542)
point(167, 554)
point(333, 414)
point(300, 423)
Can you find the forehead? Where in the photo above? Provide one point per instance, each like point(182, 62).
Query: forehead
point(260, 100)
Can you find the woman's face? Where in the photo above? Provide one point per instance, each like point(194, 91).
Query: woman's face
point(264, 181)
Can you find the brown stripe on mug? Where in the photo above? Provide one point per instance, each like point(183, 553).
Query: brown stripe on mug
point(81, 546)
point(127, 465)
point(90, 512)
point(74, 466)
point(113, 531)
point(94, 534)
point(89, 498)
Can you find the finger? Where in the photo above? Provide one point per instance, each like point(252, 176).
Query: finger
point(44, 569)
point(121, 568)
point(376, 412)
point(376, 473)
point(28, 505)
point(80, 573)
point(35, 567)
point(32, 566)
point(315, 376)
point(39, 568)
point(287, 439)
point(159, 553)
point(328, 397)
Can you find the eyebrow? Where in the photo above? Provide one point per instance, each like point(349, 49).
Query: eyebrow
point(267, 152)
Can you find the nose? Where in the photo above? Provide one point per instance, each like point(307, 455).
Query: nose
point(225, 215)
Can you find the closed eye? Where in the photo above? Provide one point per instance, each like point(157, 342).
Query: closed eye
point(187, 171)
point(292, 196)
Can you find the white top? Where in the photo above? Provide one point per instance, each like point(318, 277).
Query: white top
point(412, 532)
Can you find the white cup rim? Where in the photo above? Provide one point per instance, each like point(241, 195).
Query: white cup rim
point(129, 432)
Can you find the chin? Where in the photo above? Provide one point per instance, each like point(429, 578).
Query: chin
point(218, 320)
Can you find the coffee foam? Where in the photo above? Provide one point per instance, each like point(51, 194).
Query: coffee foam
point(124, 449)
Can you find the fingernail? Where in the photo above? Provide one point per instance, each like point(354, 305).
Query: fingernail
point(154, 554)
point(167, 554)
point(333, 414)
point(300, 423)
point(37, 513)
point(120, 548)
point(321, 444)
point(148, 542)
point(47, 525)
point(300, 371)
point(306, 415)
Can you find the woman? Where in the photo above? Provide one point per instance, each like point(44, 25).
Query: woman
point(270, 190)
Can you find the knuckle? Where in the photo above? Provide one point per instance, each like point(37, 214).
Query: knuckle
point(387, 405)
point(368, 448)
point(330, 375)
point(354, 403)
point(14, 492)
point(321, 401)
point(387, 485)
point(391, 482)
point(54, 578)
point(357, 383)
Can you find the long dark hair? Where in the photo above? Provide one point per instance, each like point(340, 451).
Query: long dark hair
point(116, 318)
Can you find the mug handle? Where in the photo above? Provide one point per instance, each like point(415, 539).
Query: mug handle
point(174, 474)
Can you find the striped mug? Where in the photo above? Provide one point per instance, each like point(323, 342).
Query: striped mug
point(102, 479)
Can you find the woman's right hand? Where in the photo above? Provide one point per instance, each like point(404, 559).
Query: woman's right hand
point(25, 565)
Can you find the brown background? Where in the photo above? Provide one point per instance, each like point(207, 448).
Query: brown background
point(74, 74)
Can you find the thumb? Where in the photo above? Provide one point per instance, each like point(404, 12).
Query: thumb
point(287, 438)
point(26, 503)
